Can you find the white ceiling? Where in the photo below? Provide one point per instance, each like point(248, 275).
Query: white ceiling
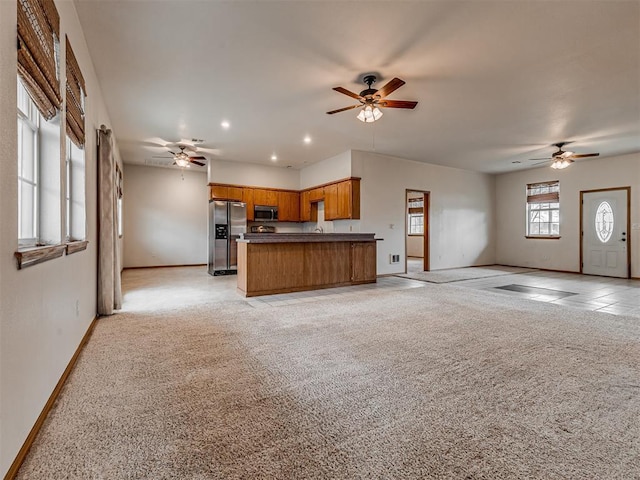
point(496, 81)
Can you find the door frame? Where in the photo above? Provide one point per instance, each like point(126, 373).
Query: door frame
point(581, 237)
point(426, 201)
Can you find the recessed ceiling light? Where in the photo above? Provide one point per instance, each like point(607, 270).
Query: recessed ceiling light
point(274, 157)
point(225, 124)
point(307, 139)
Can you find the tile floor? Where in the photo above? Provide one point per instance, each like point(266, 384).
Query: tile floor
point(611, 295)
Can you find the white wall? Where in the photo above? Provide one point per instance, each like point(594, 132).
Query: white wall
point(461, 218)
point(563, 254)
point(40, 328)
point(250, 174)
point(165, 217)
point(326, 171)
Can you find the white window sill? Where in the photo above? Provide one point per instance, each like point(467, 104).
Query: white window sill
point(543, 237)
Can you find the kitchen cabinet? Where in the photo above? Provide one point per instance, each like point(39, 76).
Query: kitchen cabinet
point(363, 262)
point(331, 202)
point(265, 197)
point(247, 197)
point(348, 199)
point(288, 206)
point(305, 207)
point(342, 200)
point(316, 194)
point(224, 192)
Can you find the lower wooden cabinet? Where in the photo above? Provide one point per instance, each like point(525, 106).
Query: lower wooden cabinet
point(363, 262)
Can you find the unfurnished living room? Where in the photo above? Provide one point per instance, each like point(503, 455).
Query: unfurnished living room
point(320, 239)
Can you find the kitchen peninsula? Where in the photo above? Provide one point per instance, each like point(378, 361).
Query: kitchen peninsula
point(270, 263)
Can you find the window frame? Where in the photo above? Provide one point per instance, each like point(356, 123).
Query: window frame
point(545, 196)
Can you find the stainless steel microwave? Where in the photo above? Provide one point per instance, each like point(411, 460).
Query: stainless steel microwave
point(263, 213)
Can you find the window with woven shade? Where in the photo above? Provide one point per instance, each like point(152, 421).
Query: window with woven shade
point(76, 92)
point(38, 54)
point(543, 209)
point(415, 216)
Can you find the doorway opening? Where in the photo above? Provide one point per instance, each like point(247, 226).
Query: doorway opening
point(605, 218)
point(416, 231)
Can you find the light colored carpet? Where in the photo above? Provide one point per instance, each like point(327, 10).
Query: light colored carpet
point(466, 273)
point(433, 382)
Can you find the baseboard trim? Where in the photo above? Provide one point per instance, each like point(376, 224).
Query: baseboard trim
point(26, 446)
point(167, 266)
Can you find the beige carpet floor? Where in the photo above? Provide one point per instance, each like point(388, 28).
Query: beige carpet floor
point(434, 382)
point(461, 274)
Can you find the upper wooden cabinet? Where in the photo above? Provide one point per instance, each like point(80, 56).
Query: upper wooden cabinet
point(224, 192)
point(316, 194)
point(305, 207)
point(342, 200)
point(288, 207)
point(265, 197)
point(247, 197)
point(331, 202)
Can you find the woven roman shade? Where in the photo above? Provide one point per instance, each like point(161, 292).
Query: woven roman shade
point(550, 192)
point(75, 98)
point(38, 34)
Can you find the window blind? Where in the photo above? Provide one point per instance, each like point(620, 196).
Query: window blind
point(544, 192)
point(38, 55)
point(75, 98)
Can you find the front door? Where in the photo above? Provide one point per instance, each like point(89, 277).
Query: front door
point(605, 233)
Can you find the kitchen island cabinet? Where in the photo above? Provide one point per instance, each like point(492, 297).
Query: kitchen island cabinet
point(282, 262)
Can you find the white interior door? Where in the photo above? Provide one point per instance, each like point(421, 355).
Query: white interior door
point(605, 233)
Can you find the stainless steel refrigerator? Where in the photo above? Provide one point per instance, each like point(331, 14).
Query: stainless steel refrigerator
point(227, 220)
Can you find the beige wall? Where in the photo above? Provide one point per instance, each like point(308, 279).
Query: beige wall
point(462, 222)
point(239, 173)
point(563, 254)
point(45, 309)
point(165, 217)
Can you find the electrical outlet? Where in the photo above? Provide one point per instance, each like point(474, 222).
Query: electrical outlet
point(394, 258)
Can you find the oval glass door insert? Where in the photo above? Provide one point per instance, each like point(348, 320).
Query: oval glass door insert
point(604, 222)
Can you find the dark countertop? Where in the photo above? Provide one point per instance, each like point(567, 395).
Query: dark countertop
point(306, 237)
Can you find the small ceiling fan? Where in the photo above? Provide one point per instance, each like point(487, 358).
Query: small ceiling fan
point(370, 99)
point(561, 158)
point(183, 159)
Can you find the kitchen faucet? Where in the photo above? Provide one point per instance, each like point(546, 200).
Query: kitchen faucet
point(319, 230)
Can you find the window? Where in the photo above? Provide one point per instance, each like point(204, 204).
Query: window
point(543, 210)
point(120, 220)
point(415, 219)
point(28, 123)
point(75, 225)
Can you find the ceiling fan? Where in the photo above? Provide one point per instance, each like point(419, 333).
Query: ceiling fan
point(183, 159)
point(561, 158)
point(370, 99)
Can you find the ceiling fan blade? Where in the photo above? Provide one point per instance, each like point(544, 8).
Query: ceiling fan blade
point(160, 156)
point(536, 159)
point(540, 163)
point(397, 104)
point(200, 164)
point(585, 155)
point(172, 153)
point(347, 92)
point(199, 157)
point(343, 109)
point(392, 86)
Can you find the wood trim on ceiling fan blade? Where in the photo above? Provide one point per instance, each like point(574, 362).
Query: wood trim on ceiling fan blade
point(347, 92)
point(390, 87)
point(343, 109)
point(585, 155)
point(397, 104)
point(199, 157)
point(200, 164)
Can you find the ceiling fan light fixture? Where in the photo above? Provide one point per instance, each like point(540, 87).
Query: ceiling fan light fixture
point(182, 161)
point(560, 163)
point(369, 114)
